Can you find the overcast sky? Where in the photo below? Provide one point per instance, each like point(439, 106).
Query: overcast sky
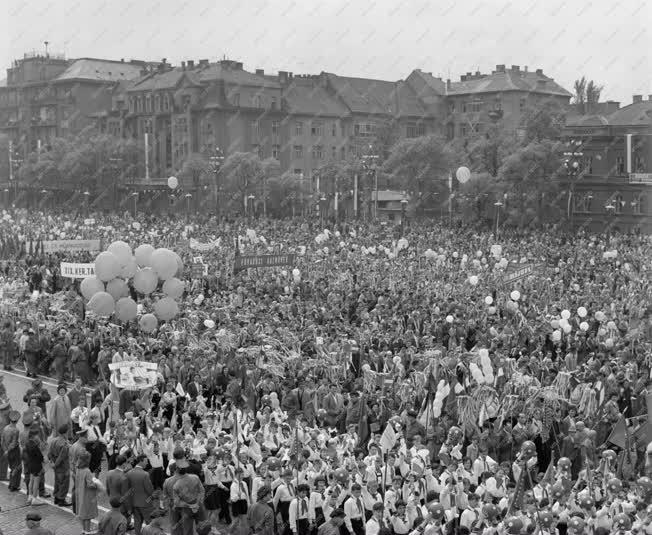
point(605, 40)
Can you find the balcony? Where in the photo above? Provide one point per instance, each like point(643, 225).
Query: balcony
point(640, 178)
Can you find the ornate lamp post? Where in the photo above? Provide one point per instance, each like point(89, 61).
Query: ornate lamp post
point(216, 160)
point(404, 203)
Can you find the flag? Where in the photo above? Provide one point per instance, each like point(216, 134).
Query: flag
point(619, 433)
point(643, 435)
point(179, 389)
point(549, 476)
point(363, 424)
point(388, 439)
point(519, 492)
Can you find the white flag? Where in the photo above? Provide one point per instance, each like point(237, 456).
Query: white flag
point(388, 439)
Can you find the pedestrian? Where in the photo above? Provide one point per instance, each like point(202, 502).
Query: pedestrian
point(11, 449)
point(113, 521)
point(261, 515)
point(140, 492)
point(76, 451)
point(188, 495)
point(33, 521)
point(33, 457)
point(31, 350)
point(156, 521)
point(41, 394)
point(5, 409)
point(86, 487)
point(333, 526)
point(59, 457)
point(60, 409)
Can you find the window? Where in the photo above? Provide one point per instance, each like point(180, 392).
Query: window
point(148, 104)
point(272, 103)
point(317, 129)
point(415, 130)
point(258, 101)
point(166, 102)
point(521, 104)
point(334, 130)
point(298, 171)
point(185, 102)
point(587, 164)
point(451, 107)
point(498, 104)
point(463, 130)
point(275, 128)
point(620, 165)
point(147, 126)
point(618, 203)
point(476, 106)
point(636, 204)
point(639, 164)
point(317, 152)
point(157, 103)
point(298, 129)
point(343, 130)
point(582, 202)
point(255, 129)
point(450, 131)
point(276, 150)
point(343, 153)
point(334, 153)
point(297, 150)
point(257, 149)
point(236, 99)
point(364, 130)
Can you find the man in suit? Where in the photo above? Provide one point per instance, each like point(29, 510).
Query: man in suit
point(59, 457)
point(333, 405)
point(113, 521)
point(140, 492)
point(195, 388)
point(117, 485)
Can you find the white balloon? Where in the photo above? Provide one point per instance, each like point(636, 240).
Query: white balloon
point(463, 174)
point(582, 312)
point(565, 314)
point(449, 318)
point(515, 295)
point(584, 326)
point(173, 182)
point(488, 300)
point(473, 280)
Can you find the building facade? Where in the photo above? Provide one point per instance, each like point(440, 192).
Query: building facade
point(613, 186)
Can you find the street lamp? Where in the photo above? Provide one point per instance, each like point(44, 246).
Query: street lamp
point(572, 165)
point(611, 210)
point(188, 196)
point(404, 202)
point(322, 207)
point(216, 161)
point(369, 164)
point(135, 196)
point(497, 204)
point(251, 199)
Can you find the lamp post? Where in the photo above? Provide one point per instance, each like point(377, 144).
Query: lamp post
point(216, 161)
point(250, 199)
point(86, 194)
point(404, 202)
point(322, 205)
point(188, 196)
point(572, 165)
point(135, 196)
point(497, 204)
point(369, 164)
point(301, 192)
point(611, 212)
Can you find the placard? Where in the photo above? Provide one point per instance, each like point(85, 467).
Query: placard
point(71, 246)
point(520, 272)
point(262, 261)
point(74, 270)
point(134, 374)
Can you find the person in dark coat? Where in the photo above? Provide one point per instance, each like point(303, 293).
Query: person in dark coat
point(117, 485)
point(40, 393)
point(140, 492)
point(33, 457)
point(113, 522)
point(260, 516)
point(59, 457)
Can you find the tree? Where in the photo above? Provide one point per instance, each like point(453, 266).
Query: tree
point(285, 191)
point(419, 165)
point(544, 121)
point(270, 170)
point(488, 151)
point(195, 170)
point(242, 172)
point(528, 176)
point(587, 95)
point(387, 134)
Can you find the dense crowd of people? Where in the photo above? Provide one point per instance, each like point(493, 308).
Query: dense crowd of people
point(392, 380)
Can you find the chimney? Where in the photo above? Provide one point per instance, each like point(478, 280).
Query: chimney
point(525, 69)
point(477, 74)
point(500, 68)
point(637, 98)
point(282, 77)
point(612, 106)
point(516, 68)
point(183, 65)
point(191, 64)
point(448, 84)
point(463, 78)
point(260, 72)
point(649, 97)
point(541, 84)
point(238, 65)
point(539, 72)
point(122, 60)
point(203, 63)
point(469, 76)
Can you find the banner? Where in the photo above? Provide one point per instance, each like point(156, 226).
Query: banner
point(77, 271)
point(134, 375)
point(520, 272)
point(203, 247)
point(262, 261)
point(70, 246)
point(198, 270)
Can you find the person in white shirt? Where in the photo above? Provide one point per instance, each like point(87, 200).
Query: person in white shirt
point(354, 510)
point(299, 512)
point(393, 494)
point(472, 515)
point(239, 495)
point(318, 500)
point(376, 522)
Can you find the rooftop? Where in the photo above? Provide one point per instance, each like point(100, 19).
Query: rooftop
point(101, 70)
point(637, 113)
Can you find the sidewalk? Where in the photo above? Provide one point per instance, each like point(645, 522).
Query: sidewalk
point(12, 515)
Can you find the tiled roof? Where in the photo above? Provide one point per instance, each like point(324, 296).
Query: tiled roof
point(168, 79)
point(587, 120)
point(308, 98)
point(635, 114)
point(231, 75)
point(508, 81)
point(364, 95)
point(99, 70)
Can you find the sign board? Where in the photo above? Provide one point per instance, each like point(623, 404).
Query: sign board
point(198, 270)
point(640, 178)
point(520, 272)
point(89, 221)
point(262, 261)
point(77, 271)
point(133, 374)
point(70, 246)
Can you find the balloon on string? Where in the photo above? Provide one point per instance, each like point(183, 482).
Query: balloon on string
point(491, 310)
point(117, 288)
point(164, 263)
point(143, 254)
point(554, 324)
point(166, 308)
point(173, 288)
point(148, 323)
point(473, 280)
point(488, 300)
point(563, 322)
point(145, 281)
point(600, 316)
point(449, 319)
point(121, 250)
point(611, 325)
point(584, 326)
point(582, 312)
point(609, 343)
point(173, 182)
point(515, 295)
point(567, 328)
point(107, 266)
point(90, 286)
point(130, 269)
point(463, 174)
point(565, 314)
point(102, 304)
point(556, 335)
point(209, 324)
point(126, 309)
point(602, 331)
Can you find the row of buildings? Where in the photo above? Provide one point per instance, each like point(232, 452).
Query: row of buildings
point(305, 121)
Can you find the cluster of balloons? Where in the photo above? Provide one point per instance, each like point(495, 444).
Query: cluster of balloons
point(108, 291)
